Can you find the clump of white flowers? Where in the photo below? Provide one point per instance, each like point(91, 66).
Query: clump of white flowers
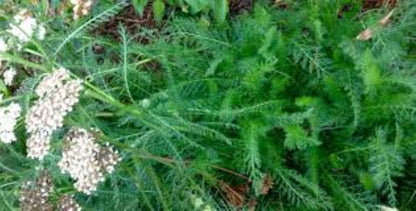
point(24, 27)
point(81, 7)
point(45, 183)
point(86, 161)
point(9, 75)
point(35, 195)
point(3, 45)
point(385, 208)
point(199, 204)
point(8, 120)
point(67, 203)
point(58, 93)
point(145, 103)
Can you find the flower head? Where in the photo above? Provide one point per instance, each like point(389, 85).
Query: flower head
point(25, 27)
point(58, 93)
point(35, 195)
point(8, 120)
point(9, 75)
point(3, 45)
point(85, 160)
point(67, 203)
point(81, 7)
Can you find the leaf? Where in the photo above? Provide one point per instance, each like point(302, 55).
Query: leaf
point(139, 5)
point(268, 40)
point(371, 71)
point(386, 164)
point(93, 22)
point(367, 181)
point(221, 10)
point(213, 66)
point(252, 136)
point(348, 196)
point(300, 192)
point(233, 195)
point(252, 204)
point(55, 3)
point(45, 6)
point(3, 87)
point(158, 10)
point(297, 138)
point(197, 5)
point(365, 35)
point(369, 32)
point(386, 19)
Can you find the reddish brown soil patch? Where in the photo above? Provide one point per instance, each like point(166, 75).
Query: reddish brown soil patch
point(129, 19)
point(371, 4)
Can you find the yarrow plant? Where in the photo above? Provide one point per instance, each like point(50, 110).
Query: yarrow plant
point(8, 119)
point(85, 160)
point(58, 93)
point(35, 195)
point(81, 8)
point(199, 204)
point(207, 105)
point(9, 75)
point(3, 45)
point(67, 203)
point(24, 27)
point(3, 48)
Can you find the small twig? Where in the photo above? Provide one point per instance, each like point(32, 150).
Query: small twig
point(231, 172)
point(172, 161)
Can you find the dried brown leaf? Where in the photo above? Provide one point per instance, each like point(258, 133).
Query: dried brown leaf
point(369, 32)
point(365, 35)
point(252, 204)
point(267, 184)
point(386, 19)
point(232, 195)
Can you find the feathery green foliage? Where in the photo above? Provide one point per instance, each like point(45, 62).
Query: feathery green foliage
point(207, 110)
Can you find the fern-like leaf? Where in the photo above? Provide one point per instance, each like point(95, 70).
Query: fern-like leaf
point(386, 164)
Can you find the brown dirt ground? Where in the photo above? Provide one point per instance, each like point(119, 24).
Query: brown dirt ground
point(132, 21)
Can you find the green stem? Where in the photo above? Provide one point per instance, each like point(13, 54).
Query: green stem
point(93, 90)
point(9, 99)
point(14, 59)
point(96, 93)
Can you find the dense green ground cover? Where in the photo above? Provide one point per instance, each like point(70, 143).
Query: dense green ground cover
point(281, 107)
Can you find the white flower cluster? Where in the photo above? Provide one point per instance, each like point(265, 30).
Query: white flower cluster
point(85, 160)
point(67, 203)
point(25, 27)
point(385, 208)
point(3, 45)
point(9, 75)
point(45, 183)
point(58, 93)
point(8, 120)
point(108, 158)
point(35, 196)
point(81, 7)
point(199, 204)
